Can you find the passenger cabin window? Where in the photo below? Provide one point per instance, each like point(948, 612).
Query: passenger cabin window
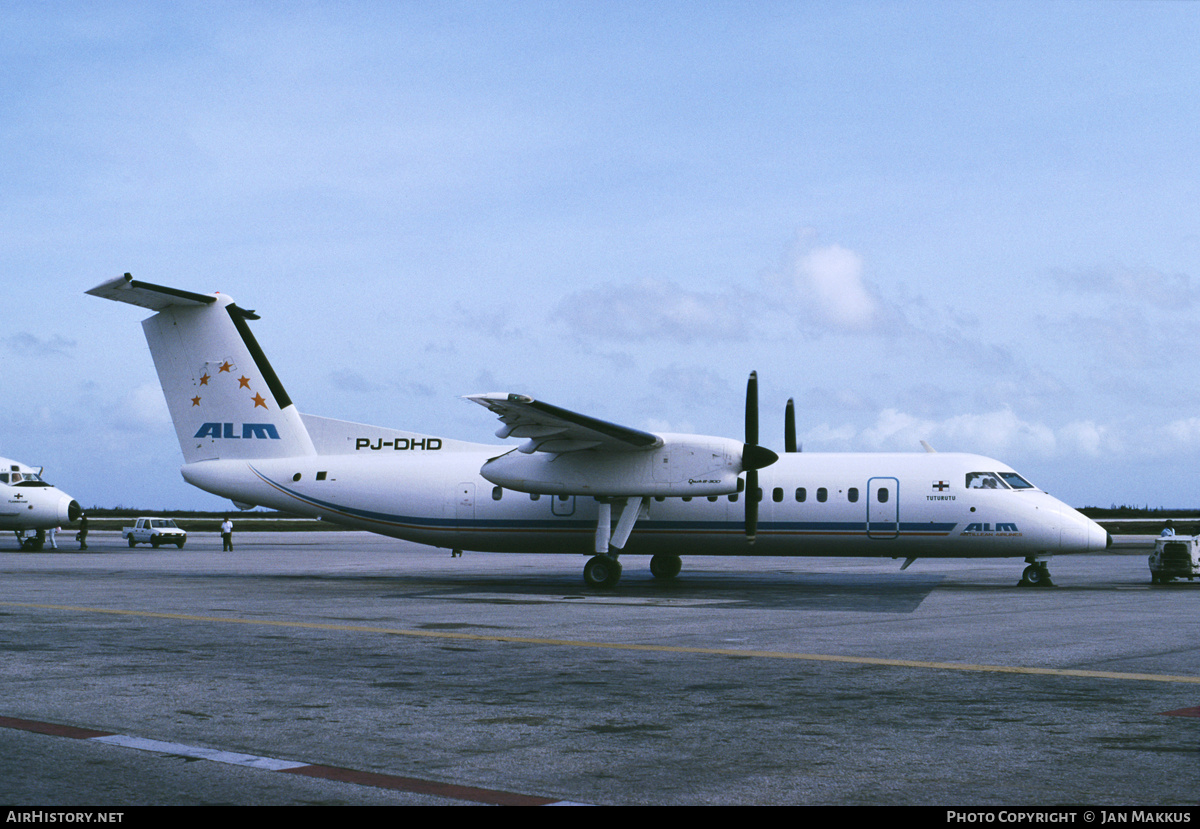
point(777, 494)
point(822, 495)
point(882, 495)
point(497, 493)
point(852, 495)
point(801, 494)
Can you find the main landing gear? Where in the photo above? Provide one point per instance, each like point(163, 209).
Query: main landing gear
point(665, 567)
point(605, 571)
point(1037, 574)
point(33, 542)
point(602, 571)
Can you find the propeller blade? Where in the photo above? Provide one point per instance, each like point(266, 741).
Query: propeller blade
point(752, 409)
point(789, 426)
point(751, 505)
point(750, 454)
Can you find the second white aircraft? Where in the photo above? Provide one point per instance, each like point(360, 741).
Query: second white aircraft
point(576, 484)
point(29, 504)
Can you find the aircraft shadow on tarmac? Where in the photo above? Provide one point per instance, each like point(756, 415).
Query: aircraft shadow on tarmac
point(862, 593)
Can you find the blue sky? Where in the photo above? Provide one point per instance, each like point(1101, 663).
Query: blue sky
point(975, 224)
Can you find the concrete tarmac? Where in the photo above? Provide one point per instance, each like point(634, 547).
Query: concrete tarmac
point(421, 678)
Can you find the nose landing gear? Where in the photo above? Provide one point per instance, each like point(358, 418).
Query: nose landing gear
point(1037, 574)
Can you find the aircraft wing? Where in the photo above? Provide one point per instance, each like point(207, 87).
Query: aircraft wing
point(557, 431)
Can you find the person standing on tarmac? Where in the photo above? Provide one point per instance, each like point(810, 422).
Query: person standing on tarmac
point(227, 535)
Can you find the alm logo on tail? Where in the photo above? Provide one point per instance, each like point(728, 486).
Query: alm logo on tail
point(250, 431)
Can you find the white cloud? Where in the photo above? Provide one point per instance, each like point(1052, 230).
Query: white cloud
point(653, 309)
point(1145, 286)
point(999, 433)
point(25, 344)
point(821, 288)
point(1086, 437)
point(1183, 434)
point(144, 407)
point(831, 280)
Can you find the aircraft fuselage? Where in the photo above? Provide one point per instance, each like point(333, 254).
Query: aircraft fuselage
point(896, 505)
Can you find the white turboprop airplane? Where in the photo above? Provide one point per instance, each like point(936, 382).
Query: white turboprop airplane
point(29, 503)
point(242, 438)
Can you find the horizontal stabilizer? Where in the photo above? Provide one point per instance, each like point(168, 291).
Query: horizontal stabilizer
point(146, 295)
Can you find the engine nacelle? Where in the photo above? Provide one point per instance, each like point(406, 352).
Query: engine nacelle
point(682, 465)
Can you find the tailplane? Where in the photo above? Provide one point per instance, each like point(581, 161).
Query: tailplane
point(223, 395)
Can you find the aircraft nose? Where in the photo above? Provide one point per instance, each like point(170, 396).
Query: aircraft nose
point(69, 510)
point(1081, 534)
point(1097, 538)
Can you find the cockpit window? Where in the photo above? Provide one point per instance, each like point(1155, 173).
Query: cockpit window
point(1016, 481)
point(997, 480)
point(984, 480)
point(27, 478)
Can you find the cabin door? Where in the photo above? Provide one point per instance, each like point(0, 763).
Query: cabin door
point(883, 508)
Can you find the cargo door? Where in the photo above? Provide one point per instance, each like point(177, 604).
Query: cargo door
point(464, 502)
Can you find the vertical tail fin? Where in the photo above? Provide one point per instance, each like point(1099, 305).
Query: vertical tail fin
point(223, 395)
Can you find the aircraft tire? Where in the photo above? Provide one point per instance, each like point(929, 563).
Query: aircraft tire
point(602, 571)
point(665, 567)
point(1036, 576)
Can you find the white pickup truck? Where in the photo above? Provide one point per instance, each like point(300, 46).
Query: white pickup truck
point(155, 532)
point(1175, 557)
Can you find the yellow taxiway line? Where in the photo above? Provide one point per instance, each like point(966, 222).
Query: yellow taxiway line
point(624, 646)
